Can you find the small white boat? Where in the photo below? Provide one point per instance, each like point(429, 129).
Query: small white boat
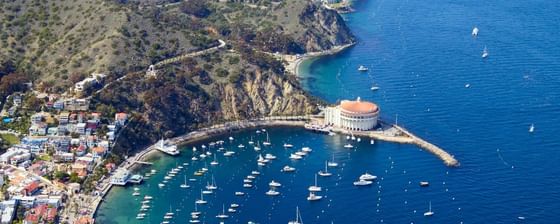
point(161, 185)
point(371, 142)
point(231, 210)
point(251, 142)
point(424, 183)
point(207, 192)
point(362, 68)
point(254, 172)
point(332, 134)
point(429, 212)
point(251, 177)
point(314, 188)
point(467, 85)
point(325, 173)
point(247, 185)
point(195, 212)
point(153, 171)
point(288, 169)
point(239, 193)
point(274, 184)
point(298, 218)
point(185, 185)
point(167, 177)
point(531, 128)
point(257, 147)
point(286, 145)
point(147, 197)
point(301, 153)
point(313, 197)
point(194, 158)
point(272, 192)
point(262, 159)
point(214, 162)
point(306, 149)
point(348, 146)
point(234, 206)
point(374, 88)
point(202, 156)
point(296, 157)
point(267, 142)
point(247, 181)
point(485, 52)
point(367, 176)
point(269, 156)
point(145, 207)
point(229, 153)
point(363, 183)
point(261, 164)
point(332, 163)
point(230, 138)
point(241, 146)
point(474, 32)
point(194, 221)
point(201, 201)
point(136, 194)
point(359, 140)
point(223, 214)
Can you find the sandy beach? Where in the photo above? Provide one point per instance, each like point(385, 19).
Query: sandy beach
point(294, 61)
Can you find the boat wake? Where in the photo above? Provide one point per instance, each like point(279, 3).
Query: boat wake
point(503, 160)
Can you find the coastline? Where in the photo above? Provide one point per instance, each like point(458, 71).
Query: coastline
point(293, 62)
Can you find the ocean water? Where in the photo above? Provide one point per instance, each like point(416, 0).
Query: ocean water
point(422, 56)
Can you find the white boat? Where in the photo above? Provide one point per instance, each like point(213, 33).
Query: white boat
point(274, 184)
point(261, 164)
point(231, 210)
point(424, 183)
point(145, 207)
point(301, 153)
point(272, 192)
point(213, 185)
point(194, 221)
point(223, 215)
point(148, 197)
point(251, 142)
point(348, 146)
point(332, 134)
point(367, 176)
point(239, 193)
point(325, 173)
point(195, 212)
point(202, 156)
point(306, 149)
point(258, 131)
point(251, 177)
point(214, 162)
point(240, 146)
point(247, 185)
point(298, 218)
point(230, 138)
point(314, 188)
point(234, 206)
point(208, 153)
point(372, 142)
point(288, 169)
point(485, 52)
point(269, 156)
point(267, 142)
point(313, 197)
point(153, 171)
point(254, 172)
point(429, 212)
point(332, 163)
point(167, 147)
point(185, 185)
point(247, 181)
point(363, 183)
point(374, 88)
point(359, 140)
point(531, 128)
point(201, 201)
point(194, 158)
point(257, 147)
point(229, 153)
point(207, 192)
point(474, 32)
point(362, 68)
point(294, 156)
point(286, 145)
point(170, 213)
point(136, 194)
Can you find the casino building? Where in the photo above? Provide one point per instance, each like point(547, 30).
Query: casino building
point(353, 115)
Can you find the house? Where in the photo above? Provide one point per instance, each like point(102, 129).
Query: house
point(17, 99)
point(121, 118)
point(63, 118)
point(104, 144)
point(31, 188)
point(8, 210)
point(81, 128)
point(64, 157)
point(59, 105)
point(61, 130)
point(63, 144)
point(39, 168)
point(91, 140)
point(38, 129)
point(52, 131)
point(111, 136)
point(41, 214)
point(80, 169)
point(87, 161)
point(76, 104)
point(98, 152)
point(15, 155)
point(80, 150)
point(38, 117)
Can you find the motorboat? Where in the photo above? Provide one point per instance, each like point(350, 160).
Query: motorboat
point(269, 156)
point(229, 153)
point(230, 138)
point(207, 192)
point(363, 183)
point(254, 172)
point(136, 193)
point(474, 32)
point(374, 88)
point(288, 169)
point(424, 183)
point(274, 184)
point(147, 197)
point(251, 177)
point(247, 181)
point(239, 193)
point(531, 128)
point(294, 156)
point(485, 52)
point(362, 68)
point(272, 192)
point(231, 210)
point(348, 146)
point(234, 206)
point(286, 145)
point(301, 153)
point(247, 185)
point(306, 149)
point(313, 197)
point(367, 176)
point(241, 146)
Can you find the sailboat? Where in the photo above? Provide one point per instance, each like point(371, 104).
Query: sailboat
point(223, 215)
point(214, 162)
point(429, 212)
point(251, 141)
point(531, 128)
point(485, 52)
point(332, 163)
point(298, 218)
point(314, 188)
point(201, 201)
point(185, 185)
point(257, 147)
point(195, 212)
point(267, 142)
point(325, 173)
point(313, 197)
point(213, 185)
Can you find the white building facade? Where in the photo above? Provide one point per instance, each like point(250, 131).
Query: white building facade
point(353, 115)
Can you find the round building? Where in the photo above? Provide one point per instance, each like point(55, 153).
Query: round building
point(353, 115)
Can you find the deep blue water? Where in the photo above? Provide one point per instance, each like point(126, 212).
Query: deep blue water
point(421, 55)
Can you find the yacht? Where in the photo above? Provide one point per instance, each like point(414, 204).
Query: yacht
point(286, 145)
point(251, 177)
point(474, 32)
point(247, 185)
point(429, 212)
point(247, 181)
point(167, 147)
point(194, 158)
point(362, 68)
point(306, 149)
point(201, 201)
point(371, 142)
point(332, 163)
point(325, 173)
point(367, 176)
point(234, 206)
point(207, 192)
point(262, 160)
point(531, 128)
point(241, 146)
point(230, 138)
point(185, 185)
point(161, 185)
point(239, 193)
point(424, 183)
point(313, 197)
point(269, 156)
point(272, 192)
point(274, 184)
point(374, 88)
point(267, 142)
point(223, 215)
point(254, 172)
point(363, 183)
point(136, 193)
point(301, 153)
point(332, 134)
point(288, 169)
point(485, 52)
point(348, 146)
point(231, 210)
point(314, 188)
point(298, 218)
point(229, 153)
point(194, 221)
point(294, 156)
point(148, 197)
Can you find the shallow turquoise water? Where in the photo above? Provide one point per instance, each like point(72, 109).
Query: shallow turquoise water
point(421, 55)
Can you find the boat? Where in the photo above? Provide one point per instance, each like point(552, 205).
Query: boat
point(294, 156)
point(371, 142)
point(429, 212)
point(269, 156)
point(258, 131)
point(247, 181)
point(194, 221)
point(148, 197)
point(267, 142)
point(239, 193)
point(136, 194)
point(325, 173)
point(247, 185)
point(161, 185)
point(195, 212)
point(254, 172)
point(286, 145)
point(231, 210)
point(313, 197)
point(306, 149)
point(223, 215)
point(257, 147)
point(167, 147)
point(362, 68)
point(213, 185)
point(139, 217)
point(261, 164)
point(170, 213)
point(531, 128)
point(298, 218)
point(262, 160)
point(314, 188)
point(192, 180)
point(332, 134)
point(214, 162)
point(272, 192)
point(359, 139)
point(374, 88)
point(230, 138)
point(145, 207)
point(203, 146)
point(301, 153)
point(251, 177)
point(274, 184)
point(348, 146)
point(424, 183)
point(485, 52)
point(194, 158)
point(288, 169)
point(229, 153)
point(241, 146)
point(185, 185)
point(363, 183)
point(474, 32)
point(201, 201)
point(367, 176)
point(332, 163)
point(207, 192)
point(234, 206)
point(251, 141)
point(202, 156)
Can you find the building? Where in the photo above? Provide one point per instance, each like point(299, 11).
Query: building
point(121, 118)
point(121, 177)
point(353, 115)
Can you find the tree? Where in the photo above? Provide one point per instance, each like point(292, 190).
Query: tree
point(13, 82)
point(74, 178)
